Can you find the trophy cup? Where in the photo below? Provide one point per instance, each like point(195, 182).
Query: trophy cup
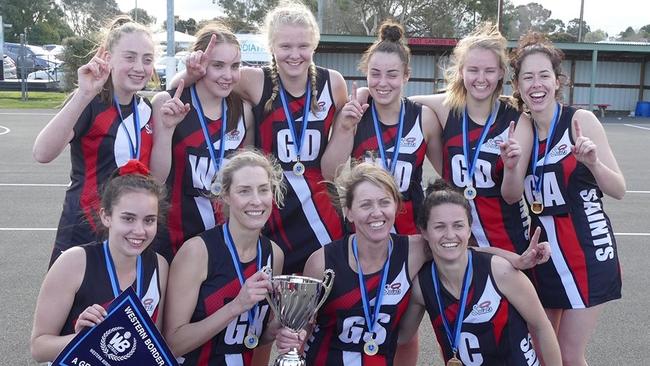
point(295, 300)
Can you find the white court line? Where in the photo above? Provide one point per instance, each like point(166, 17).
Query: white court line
point(642, 192)
point(4, 130)
point(33, 185)
point(635, 126)
point(27, 229)
point(26, 114)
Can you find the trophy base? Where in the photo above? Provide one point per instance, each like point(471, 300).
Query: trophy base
point(291, 358)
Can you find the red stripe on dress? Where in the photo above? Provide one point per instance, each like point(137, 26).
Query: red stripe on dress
point(324, 207)
point(490, 214)
point(573, 254)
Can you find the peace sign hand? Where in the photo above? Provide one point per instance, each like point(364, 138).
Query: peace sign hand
point(584, 149)
point(93, 75)
point(173, 110)
point(510, 149)
point(537, 253)
point(196, 62)
point(353, 110)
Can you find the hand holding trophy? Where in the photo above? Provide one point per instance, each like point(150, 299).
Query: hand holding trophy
point(295, 300)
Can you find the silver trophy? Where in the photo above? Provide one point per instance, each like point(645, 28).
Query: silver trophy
point(295, 300)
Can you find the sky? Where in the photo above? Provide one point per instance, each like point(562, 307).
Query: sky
point(612, 16)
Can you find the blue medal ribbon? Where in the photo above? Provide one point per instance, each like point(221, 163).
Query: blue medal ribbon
point(112, 273)
point(549, 141)
point(227, 238)
point(297, 142)
point(371, 319)
point(463, 300)
point(471, 163)
point(134, 149)
point(380, 142)
point(196, 102)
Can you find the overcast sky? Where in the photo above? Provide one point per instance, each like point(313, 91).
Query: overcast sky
point(612, 16)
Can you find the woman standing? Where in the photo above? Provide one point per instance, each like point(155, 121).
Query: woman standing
point(216, 312)
point(105, 123)
point(84, 280)
point(572, 166)
point(191, 144)
point(391, 131)
point(481, 308)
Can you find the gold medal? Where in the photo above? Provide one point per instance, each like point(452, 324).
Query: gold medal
point(370, 348)
point(536, 207)
point(251, 341)
point(454, 362)
point(298, 168)
point(469, 192)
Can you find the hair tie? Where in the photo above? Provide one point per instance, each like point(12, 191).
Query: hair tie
point(133, 167)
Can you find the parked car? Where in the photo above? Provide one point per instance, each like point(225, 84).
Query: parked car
point(35, 58)
point(9, 67)
point(161, 66)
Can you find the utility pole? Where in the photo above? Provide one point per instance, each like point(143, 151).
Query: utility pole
point(171, 51)
point(582, 11)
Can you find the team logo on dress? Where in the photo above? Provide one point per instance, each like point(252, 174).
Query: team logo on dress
point(494, 143)
point(148, 304)
point(559, 150)
point(148, 129)
point(482, 308)
point(393, 289)
point(408, 141)
point(118, 345)
point(233, 135)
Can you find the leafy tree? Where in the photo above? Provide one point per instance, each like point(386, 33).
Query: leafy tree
point(629, 35)
point(39, 19)
point(87, 16)
point(562, 37)
point(574, 26)
point(596, 36)
point(246, 15)
point(525, 18)
point(645, 31)
point(553, 26)
point(188, 26)
point(77, 52)
point(142, 16)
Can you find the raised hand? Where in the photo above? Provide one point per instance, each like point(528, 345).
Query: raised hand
point(584, 149)
point(537, 253)
point(353, 110)
point(510, 149)
point(90, 317)
point(254, 290)
point(196, 62)
point(173, 110)
point(93, 75)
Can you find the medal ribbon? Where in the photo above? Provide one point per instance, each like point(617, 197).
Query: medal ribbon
point(471, 165)
point(134, 151)
point(380, 142)
point(463, 299)
point(371, 320)
point(112, 273)
point(227, 238)
point(196, 102)
point(297, 143)
point(549, 142)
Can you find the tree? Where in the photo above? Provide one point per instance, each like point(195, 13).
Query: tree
point(645, 31)
point(246, 15)
point(573, 27)
point(87, 16)
point(39, 19)
point(188, 26)
point(596, 36)
point(553, 26)
point(525, 18)
point(629, 35)
point(142, 16)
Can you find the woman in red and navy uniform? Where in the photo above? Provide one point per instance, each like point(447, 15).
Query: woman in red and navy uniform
point(571, 168)
point(475, 126)
point(290, 91)
point(494, 303)
point(105, 123)
point(358, 323)
point(216, 310)
point(181, 156)
point(84, 280)
point(391, 131)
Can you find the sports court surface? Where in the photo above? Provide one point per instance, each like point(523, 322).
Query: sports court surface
point(31, 196)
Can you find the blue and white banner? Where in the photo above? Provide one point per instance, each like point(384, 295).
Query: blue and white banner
point(127, 336)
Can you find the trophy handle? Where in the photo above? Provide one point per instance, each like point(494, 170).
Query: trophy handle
point(328, 282)
point(269, 271)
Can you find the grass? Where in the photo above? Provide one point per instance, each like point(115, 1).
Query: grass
point(36, 100)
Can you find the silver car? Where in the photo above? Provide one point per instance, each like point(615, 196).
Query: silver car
point(9, 67)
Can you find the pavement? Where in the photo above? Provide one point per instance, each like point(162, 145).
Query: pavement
point(31, 197)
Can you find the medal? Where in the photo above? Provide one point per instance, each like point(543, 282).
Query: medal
point(380, 143)
point(370, 348)
point(215, 187)
point(453, 334)
point(454, 362)
point(469, 192)
point(298, 168)
point(251, 341)
point(537, 207)
point(470, 161)
point(134, 149)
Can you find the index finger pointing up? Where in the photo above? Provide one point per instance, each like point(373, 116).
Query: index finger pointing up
point(211, 44)
point(179, 89)
point(576, 127)
point(511, 129)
